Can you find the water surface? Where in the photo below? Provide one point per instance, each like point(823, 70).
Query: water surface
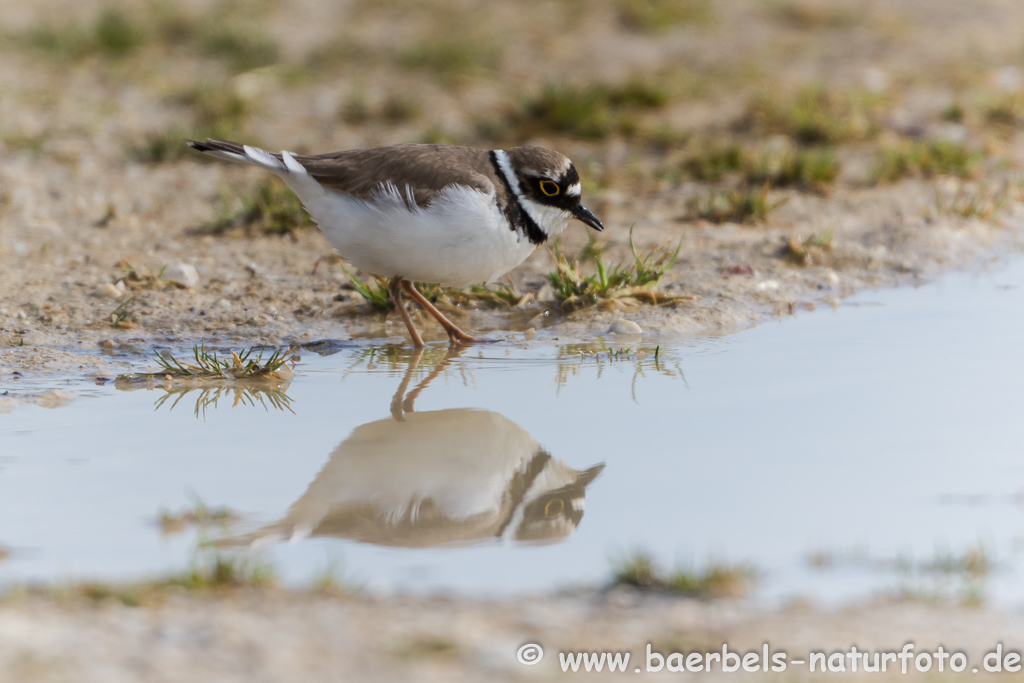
point(882, 439)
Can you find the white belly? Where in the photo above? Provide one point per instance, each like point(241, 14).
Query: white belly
point(460, 239)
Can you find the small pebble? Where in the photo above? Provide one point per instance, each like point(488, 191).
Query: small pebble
point(768, 285)
point(1008, 79)
point(621, 326)
point(107, 290)
point(183, 274)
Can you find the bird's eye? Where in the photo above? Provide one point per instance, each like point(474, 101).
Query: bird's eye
point(549, 188)
point(555, 507)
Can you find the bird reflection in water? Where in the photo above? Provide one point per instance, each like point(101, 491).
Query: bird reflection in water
point(422, 479)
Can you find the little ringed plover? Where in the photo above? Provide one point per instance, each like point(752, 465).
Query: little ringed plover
point(429, 213)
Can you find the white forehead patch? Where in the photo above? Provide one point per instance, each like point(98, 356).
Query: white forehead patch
point(574, 190)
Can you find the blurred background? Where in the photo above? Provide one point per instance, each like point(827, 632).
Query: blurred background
point(644, 94)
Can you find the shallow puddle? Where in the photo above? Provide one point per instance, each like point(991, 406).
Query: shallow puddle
point(877, 447)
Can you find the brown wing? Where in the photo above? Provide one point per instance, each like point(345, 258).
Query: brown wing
point(426, 169)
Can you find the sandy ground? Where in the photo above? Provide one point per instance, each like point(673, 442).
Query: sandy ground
point(82, 210)
point(271, 636)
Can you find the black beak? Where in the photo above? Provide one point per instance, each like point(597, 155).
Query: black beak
point(583, 213)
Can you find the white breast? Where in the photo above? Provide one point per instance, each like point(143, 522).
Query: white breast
point(462, 460)
point(460, 239)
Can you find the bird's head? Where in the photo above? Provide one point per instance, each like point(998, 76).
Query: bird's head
point(547, 186)
point(553, 513)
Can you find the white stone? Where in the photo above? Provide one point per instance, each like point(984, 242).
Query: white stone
point(951, 132)
point(182, 274)
point(622, 326)
point(1008, 79)
point(876, 80)
point(107, 290)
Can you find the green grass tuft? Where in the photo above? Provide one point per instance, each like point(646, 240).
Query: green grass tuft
point(592, 112)
point(744, 205)
point(123, 317)
point(943, 579)
point(954, 112)
point(399, 107)
point(270, 208)
point(113, 33)
point(812, 169)
point(925, 159)
point(163, 147)
point(815, 116)
point(637, 570)
point(210, 570)
point(638, 281)
point(814, 250)
point(213, 570)
point(715, 581)
point(1004, 113)
point(375, 292)
point(208, 364)
point(223, 34)
point(815, 169)
point(653, 16)
point(564, 109)
point(426, 647)
point(218, 110)
point(116, 34)
point(451, 55)
point(712, 162)
point(330, 580)
point(198, 514)
point(809, 15)
point(980, 204)
point(241, 48)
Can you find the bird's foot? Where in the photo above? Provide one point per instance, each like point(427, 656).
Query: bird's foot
point(457, 337)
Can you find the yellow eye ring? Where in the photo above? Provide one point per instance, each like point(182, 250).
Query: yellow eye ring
point(554, 508)
point(549, 188)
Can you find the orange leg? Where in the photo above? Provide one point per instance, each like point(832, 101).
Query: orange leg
point(455, 335)
point(410, 399)
point(397, 408)
point(395, 290)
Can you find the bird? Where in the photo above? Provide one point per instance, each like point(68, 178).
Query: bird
point(449, 476)
point(439, 477)
point(444, 214)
